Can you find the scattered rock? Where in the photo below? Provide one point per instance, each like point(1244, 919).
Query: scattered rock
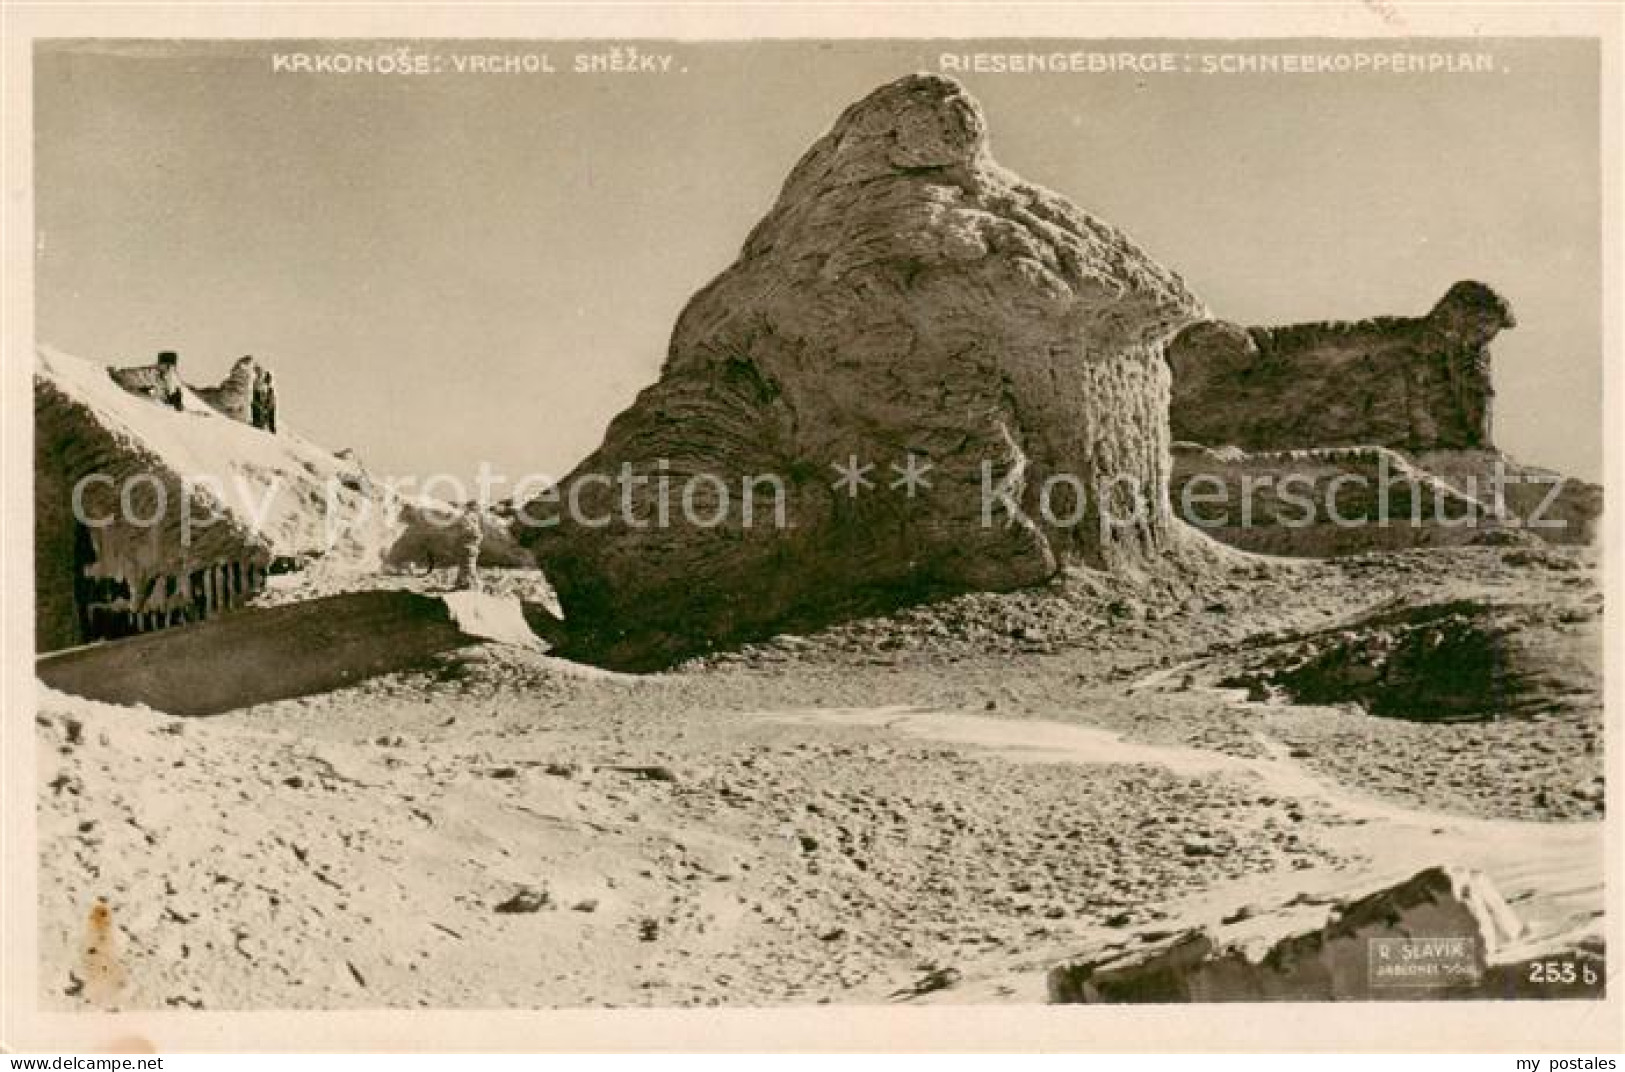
point(526, 899)
point(1196, 846)
point(646, 773)
point(932, 981)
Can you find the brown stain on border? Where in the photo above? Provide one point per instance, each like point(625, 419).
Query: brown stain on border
point(104, 975)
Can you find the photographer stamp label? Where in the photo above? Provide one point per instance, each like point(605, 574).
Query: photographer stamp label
point(1425, 961)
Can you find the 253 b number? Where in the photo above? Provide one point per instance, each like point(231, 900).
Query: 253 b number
point(1562, 973)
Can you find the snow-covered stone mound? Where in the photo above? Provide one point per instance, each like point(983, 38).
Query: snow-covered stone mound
point(146, 516)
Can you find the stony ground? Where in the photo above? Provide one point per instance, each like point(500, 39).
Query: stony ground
point(502, 829)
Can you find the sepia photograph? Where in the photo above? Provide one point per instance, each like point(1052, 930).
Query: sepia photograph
point(748, 521)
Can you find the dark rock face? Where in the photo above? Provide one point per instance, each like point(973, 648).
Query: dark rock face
point(1411, 383)
point(905, 297)
point(1446, 662)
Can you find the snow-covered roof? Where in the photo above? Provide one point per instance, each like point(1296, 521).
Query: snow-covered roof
point(280, 491)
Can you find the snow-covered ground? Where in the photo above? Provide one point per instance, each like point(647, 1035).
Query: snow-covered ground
point(940, 805)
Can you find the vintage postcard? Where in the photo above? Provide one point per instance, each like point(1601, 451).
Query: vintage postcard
point(785, 524)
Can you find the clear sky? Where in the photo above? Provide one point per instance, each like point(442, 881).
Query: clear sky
point(448, 269)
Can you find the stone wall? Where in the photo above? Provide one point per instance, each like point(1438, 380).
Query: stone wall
point(1411, 383)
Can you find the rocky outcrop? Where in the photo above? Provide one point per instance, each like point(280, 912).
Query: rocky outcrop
point(431, 539)
point(905, 299)
point(1410, 383)
point(1443, 934)
point(1544, 503)
point(234, 395)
